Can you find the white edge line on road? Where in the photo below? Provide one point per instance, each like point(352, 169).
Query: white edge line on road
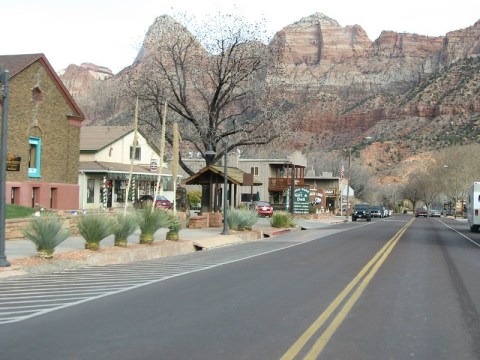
point(459, 233)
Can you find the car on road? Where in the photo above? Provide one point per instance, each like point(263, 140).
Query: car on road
point(376, 211)
point(361, 211)
point(421, 212)
point(263, 208)
point(435, 213)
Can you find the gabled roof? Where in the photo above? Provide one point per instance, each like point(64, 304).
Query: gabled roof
point(215, 173)
point(95, 138)
point(99, 137)
point(17, 63)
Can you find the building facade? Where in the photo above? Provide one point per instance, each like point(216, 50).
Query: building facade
point(43, 136)
point(107, 155)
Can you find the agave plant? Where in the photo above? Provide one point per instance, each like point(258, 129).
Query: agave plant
point(241, 219)
point(174, 226)
point(94, 228)
point(122, 227)
point(46, 232)
point(150, 220)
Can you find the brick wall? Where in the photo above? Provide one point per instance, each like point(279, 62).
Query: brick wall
point(46, 119)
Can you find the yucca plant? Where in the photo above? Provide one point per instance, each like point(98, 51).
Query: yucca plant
point(150, 220)
point(241, 219)
point(123, 225)
point(46, 232)
point(174, 226)
point(94, 228)
point(282, 219)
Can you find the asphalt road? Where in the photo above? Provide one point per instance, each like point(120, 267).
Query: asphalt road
point(395, 288)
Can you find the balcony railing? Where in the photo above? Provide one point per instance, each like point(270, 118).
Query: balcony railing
point(282, 184)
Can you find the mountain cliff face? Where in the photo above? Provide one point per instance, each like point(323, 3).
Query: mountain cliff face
point(401, 87)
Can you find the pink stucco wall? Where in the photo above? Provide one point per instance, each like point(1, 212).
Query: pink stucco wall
point(46, 195)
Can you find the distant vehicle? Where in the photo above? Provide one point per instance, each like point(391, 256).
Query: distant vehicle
point(361, 211)
point(386, 212)
point(435, 213)
point(377, 211)
point(263, 208)
point(161, 202)
point(473, 206)
point(421, 212)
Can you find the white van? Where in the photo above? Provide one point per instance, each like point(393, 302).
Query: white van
point(473, 206)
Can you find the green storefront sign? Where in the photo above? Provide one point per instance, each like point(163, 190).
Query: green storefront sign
point(301, 200)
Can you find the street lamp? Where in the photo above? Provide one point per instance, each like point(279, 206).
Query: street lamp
point(3, 165)
point(211, 152)
point(292, 185)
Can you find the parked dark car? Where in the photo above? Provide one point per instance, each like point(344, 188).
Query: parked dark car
point(361, 211)
point(161, 203)
point(421, 212)
point(263, 208)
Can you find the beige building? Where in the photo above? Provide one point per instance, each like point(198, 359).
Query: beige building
point(106, 154)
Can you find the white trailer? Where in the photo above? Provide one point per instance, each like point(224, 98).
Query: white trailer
point(473, 206)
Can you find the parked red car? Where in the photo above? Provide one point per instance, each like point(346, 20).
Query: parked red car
point(162, 202)
point(264, 208)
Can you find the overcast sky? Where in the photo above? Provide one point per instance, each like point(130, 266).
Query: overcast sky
point(110, 32)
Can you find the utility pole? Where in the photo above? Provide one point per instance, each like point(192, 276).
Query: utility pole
point(348, 180)
point(3, 164)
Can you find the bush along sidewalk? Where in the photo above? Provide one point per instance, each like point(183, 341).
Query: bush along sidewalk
point(174, 226)
point(241, 219)
point(94, 228)
point(282, 219)
point(150, 220)
point(46, 232)
point(123, 225)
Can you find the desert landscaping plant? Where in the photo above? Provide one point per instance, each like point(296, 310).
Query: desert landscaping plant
point(94, 228)
point(174, 226)
point(241, 219)
point(46, 232)
point(150, 220)
point(282, 219)
point(123, 225)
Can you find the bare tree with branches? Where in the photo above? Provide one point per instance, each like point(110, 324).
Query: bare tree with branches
point(223, 86)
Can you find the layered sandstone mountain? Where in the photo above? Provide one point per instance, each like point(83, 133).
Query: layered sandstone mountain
point(360, 86)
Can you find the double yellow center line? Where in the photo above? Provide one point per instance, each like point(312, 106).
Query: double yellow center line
point(359, 283)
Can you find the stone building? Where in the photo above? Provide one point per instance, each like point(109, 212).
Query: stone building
point(43, 135)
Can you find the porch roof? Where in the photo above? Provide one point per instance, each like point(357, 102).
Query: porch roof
point(215, 172)
point(120, 168)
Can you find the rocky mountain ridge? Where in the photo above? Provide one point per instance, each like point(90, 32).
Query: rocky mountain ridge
point(417, 92)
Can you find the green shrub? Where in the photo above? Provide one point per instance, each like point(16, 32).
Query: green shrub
point(194, 198)
point(174, 225)
point(46, 232)
point(282, 219)
point(150, 220)
point(94, 228)
point(241, 219)
point(123, 225)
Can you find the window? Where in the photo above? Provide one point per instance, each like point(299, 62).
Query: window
point(34, 157)
point(254, 170)
point(137, 155)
